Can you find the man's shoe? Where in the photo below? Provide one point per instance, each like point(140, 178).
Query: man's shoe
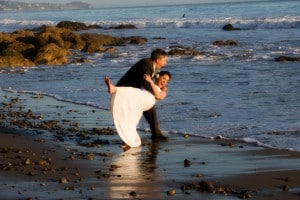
point(159, 137)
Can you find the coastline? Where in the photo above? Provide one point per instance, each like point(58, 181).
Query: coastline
point(74, 159)
point(148, 172)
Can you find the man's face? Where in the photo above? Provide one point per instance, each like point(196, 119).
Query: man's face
point(161, 62)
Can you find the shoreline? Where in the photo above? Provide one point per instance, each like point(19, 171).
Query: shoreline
point(78, 156)
point(153, 170)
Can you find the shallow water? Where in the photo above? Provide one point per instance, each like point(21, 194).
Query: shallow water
point(237, 91)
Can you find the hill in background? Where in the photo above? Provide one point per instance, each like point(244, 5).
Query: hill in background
point(21, 6)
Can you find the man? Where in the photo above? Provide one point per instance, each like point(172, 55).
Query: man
point(134, 77)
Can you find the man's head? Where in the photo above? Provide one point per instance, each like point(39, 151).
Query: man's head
point(160, 58)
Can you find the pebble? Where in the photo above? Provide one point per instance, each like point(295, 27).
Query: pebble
point(132, 193)
point(63, 180)
point(171, 192)
point(27, 162)
point(187, 163)
point(285, 188)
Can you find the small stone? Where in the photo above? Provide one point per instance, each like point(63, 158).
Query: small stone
point(31, 173)
point(63, 180)
point(171, 192)
point(285, 188)
point(42, 162)
point(187, 163)
point(27, 161)
point(132, 193)
point(70, 188)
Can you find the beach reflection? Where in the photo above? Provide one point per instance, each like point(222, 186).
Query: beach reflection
point(134, 174)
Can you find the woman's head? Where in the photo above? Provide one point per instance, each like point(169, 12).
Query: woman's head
point(163, 79)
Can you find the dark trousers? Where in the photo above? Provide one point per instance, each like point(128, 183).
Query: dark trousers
point(151, 117)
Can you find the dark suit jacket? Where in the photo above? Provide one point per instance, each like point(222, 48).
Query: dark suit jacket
point(134, 77)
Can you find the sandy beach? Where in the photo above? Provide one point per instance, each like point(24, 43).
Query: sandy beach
point(45, 162)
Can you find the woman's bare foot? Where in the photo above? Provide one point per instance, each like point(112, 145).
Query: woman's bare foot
point(110, 87)
point(125, 147)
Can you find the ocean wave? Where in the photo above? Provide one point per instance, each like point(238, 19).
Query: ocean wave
point(287, 22)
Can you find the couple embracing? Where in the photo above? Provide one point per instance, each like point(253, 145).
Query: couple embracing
point(135, 94)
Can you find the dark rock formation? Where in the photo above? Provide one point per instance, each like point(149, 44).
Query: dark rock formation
point(229, 27)
point(183, 51)
point(76, 26)
point(50, 45)
point(52, 54)
point(136, 40)
point(124, 26)
point(287, 58)
point(225, 43)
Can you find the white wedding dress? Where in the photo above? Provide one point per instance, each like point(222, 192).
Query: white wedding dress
point(127, 106)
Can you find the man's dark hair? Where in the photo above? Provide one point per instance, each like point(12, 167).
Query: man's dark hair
point(157, 53)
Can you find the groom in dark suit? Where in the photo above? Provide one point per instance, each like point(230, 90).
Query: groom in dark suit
point(134, 77)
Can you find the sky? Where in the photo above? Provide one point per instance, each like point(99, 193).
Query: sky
point(122, 3)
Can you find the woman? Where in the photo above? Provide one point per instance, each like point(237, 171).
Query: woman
point(127, 105)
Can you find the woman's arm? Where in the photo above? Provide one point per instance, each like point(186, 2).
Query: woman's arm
point(159, 93)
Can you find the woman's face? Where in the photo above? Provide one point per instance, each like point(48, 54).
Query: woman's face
point(163, 81)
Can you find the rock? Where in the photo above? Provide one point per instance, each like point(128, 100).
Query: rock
point(132, 193)
point(72, 40)
point(187, 163)
point(50, 45)
point(171, 192)
point(136, 40)
point(12, 58)
point(51, 54)
point(229, 27)
point(124, 26)
point(94, 26)
point(80, 60)
point(207, 186)
point(285, 188)
point(62, 37)
point(287, 58)
point(74, 26)
point(27, 162)
point(42, 162)
point(63, 180)
point(95, 42)
point(92, 47)
point(183, 51)
point(15, 48)
point(245, 194)
point(225, 43)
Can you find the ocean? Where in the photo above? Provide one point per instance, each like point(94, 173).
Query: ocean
point(237, 92)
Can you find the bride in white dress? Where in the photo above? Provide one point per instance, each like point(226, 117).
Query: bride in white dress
point(127, 105)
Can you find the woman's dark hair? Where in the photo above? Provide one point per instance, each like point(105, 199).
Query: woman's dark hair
point(157, 53)
point(161, 73)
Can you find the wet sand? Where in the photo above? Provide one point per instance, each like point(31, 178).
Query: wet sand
point(77, 160)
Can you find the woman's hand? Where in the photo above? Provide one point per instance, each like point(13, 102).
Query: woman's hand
point(147, 77)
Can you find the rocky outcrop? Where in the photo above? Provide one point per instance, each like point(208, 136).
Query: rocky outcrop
point(10, 57)
point(52, 54)
point(50, 45)
point(183, 51)
point(76, 26)
point(225, 43)
point(124, 26)
point(229, 27)
point(287, 58)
